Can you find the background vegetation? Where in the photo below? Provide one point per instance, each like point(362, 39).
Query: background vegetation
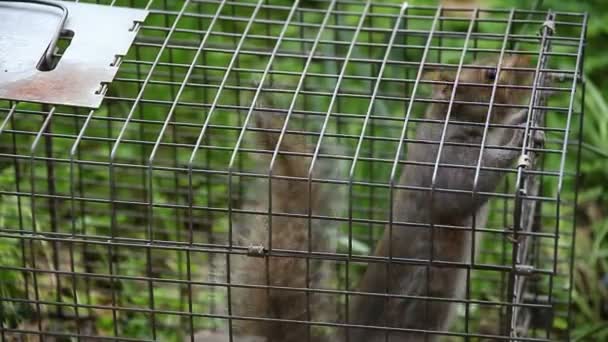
point(591, 266)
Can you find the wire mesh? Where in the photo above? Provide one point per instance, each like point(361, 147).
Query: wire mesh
point(251, 152)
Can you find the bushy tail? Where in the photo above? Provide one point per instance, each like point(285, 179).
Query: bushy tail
point(292, 237)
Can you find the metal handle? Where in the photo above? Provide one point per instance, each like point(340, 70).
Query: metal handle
point(48, 54)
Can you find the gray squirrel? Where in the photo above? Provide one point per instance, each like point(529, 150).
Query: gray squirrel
point(460, 210)
point(412, 206)
point(289, 233)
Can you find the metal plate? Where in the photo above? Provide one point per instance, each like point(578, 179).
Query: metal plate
point(100, 34)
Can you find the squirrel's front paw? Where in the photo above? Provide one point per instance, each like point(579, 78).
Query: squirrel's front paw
point(538, 137)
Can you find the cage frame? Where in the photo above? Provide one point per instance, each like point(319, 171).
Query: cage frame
point(149, 166)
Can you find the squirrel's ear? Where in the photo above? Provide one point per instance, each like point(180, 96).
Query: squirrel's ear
point(440, 90)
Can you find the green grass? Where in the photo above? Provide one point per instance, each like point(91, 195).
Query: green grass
point(590, 295)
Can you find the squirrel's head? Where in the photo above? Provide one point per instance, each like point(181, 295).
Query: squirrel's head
point(475, 87)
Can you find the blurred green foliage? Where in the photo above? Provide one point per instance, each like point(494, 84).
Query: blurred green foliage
point(590, 295)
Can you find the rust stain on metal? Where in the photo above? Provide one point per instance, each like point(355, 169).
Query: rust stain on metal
point(60, 86)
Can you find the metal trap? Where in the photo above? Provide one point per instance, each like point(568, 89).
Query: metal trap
point(163, 214)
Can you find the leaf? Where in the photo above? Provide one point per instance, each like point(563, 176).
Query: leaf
point(589, 331)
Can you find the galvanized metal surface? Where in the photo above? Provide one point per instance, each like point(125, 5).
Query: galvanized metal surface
point(100, 34)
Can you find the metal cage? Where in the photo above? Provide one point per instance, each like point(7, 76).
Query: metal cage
point(123, 223)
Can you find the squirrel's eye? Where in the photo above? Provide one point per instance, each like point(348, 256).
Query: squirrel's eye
point(491, 74)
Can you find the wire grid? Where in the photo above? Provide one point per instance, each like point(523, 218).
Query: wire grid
point(119, 223)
